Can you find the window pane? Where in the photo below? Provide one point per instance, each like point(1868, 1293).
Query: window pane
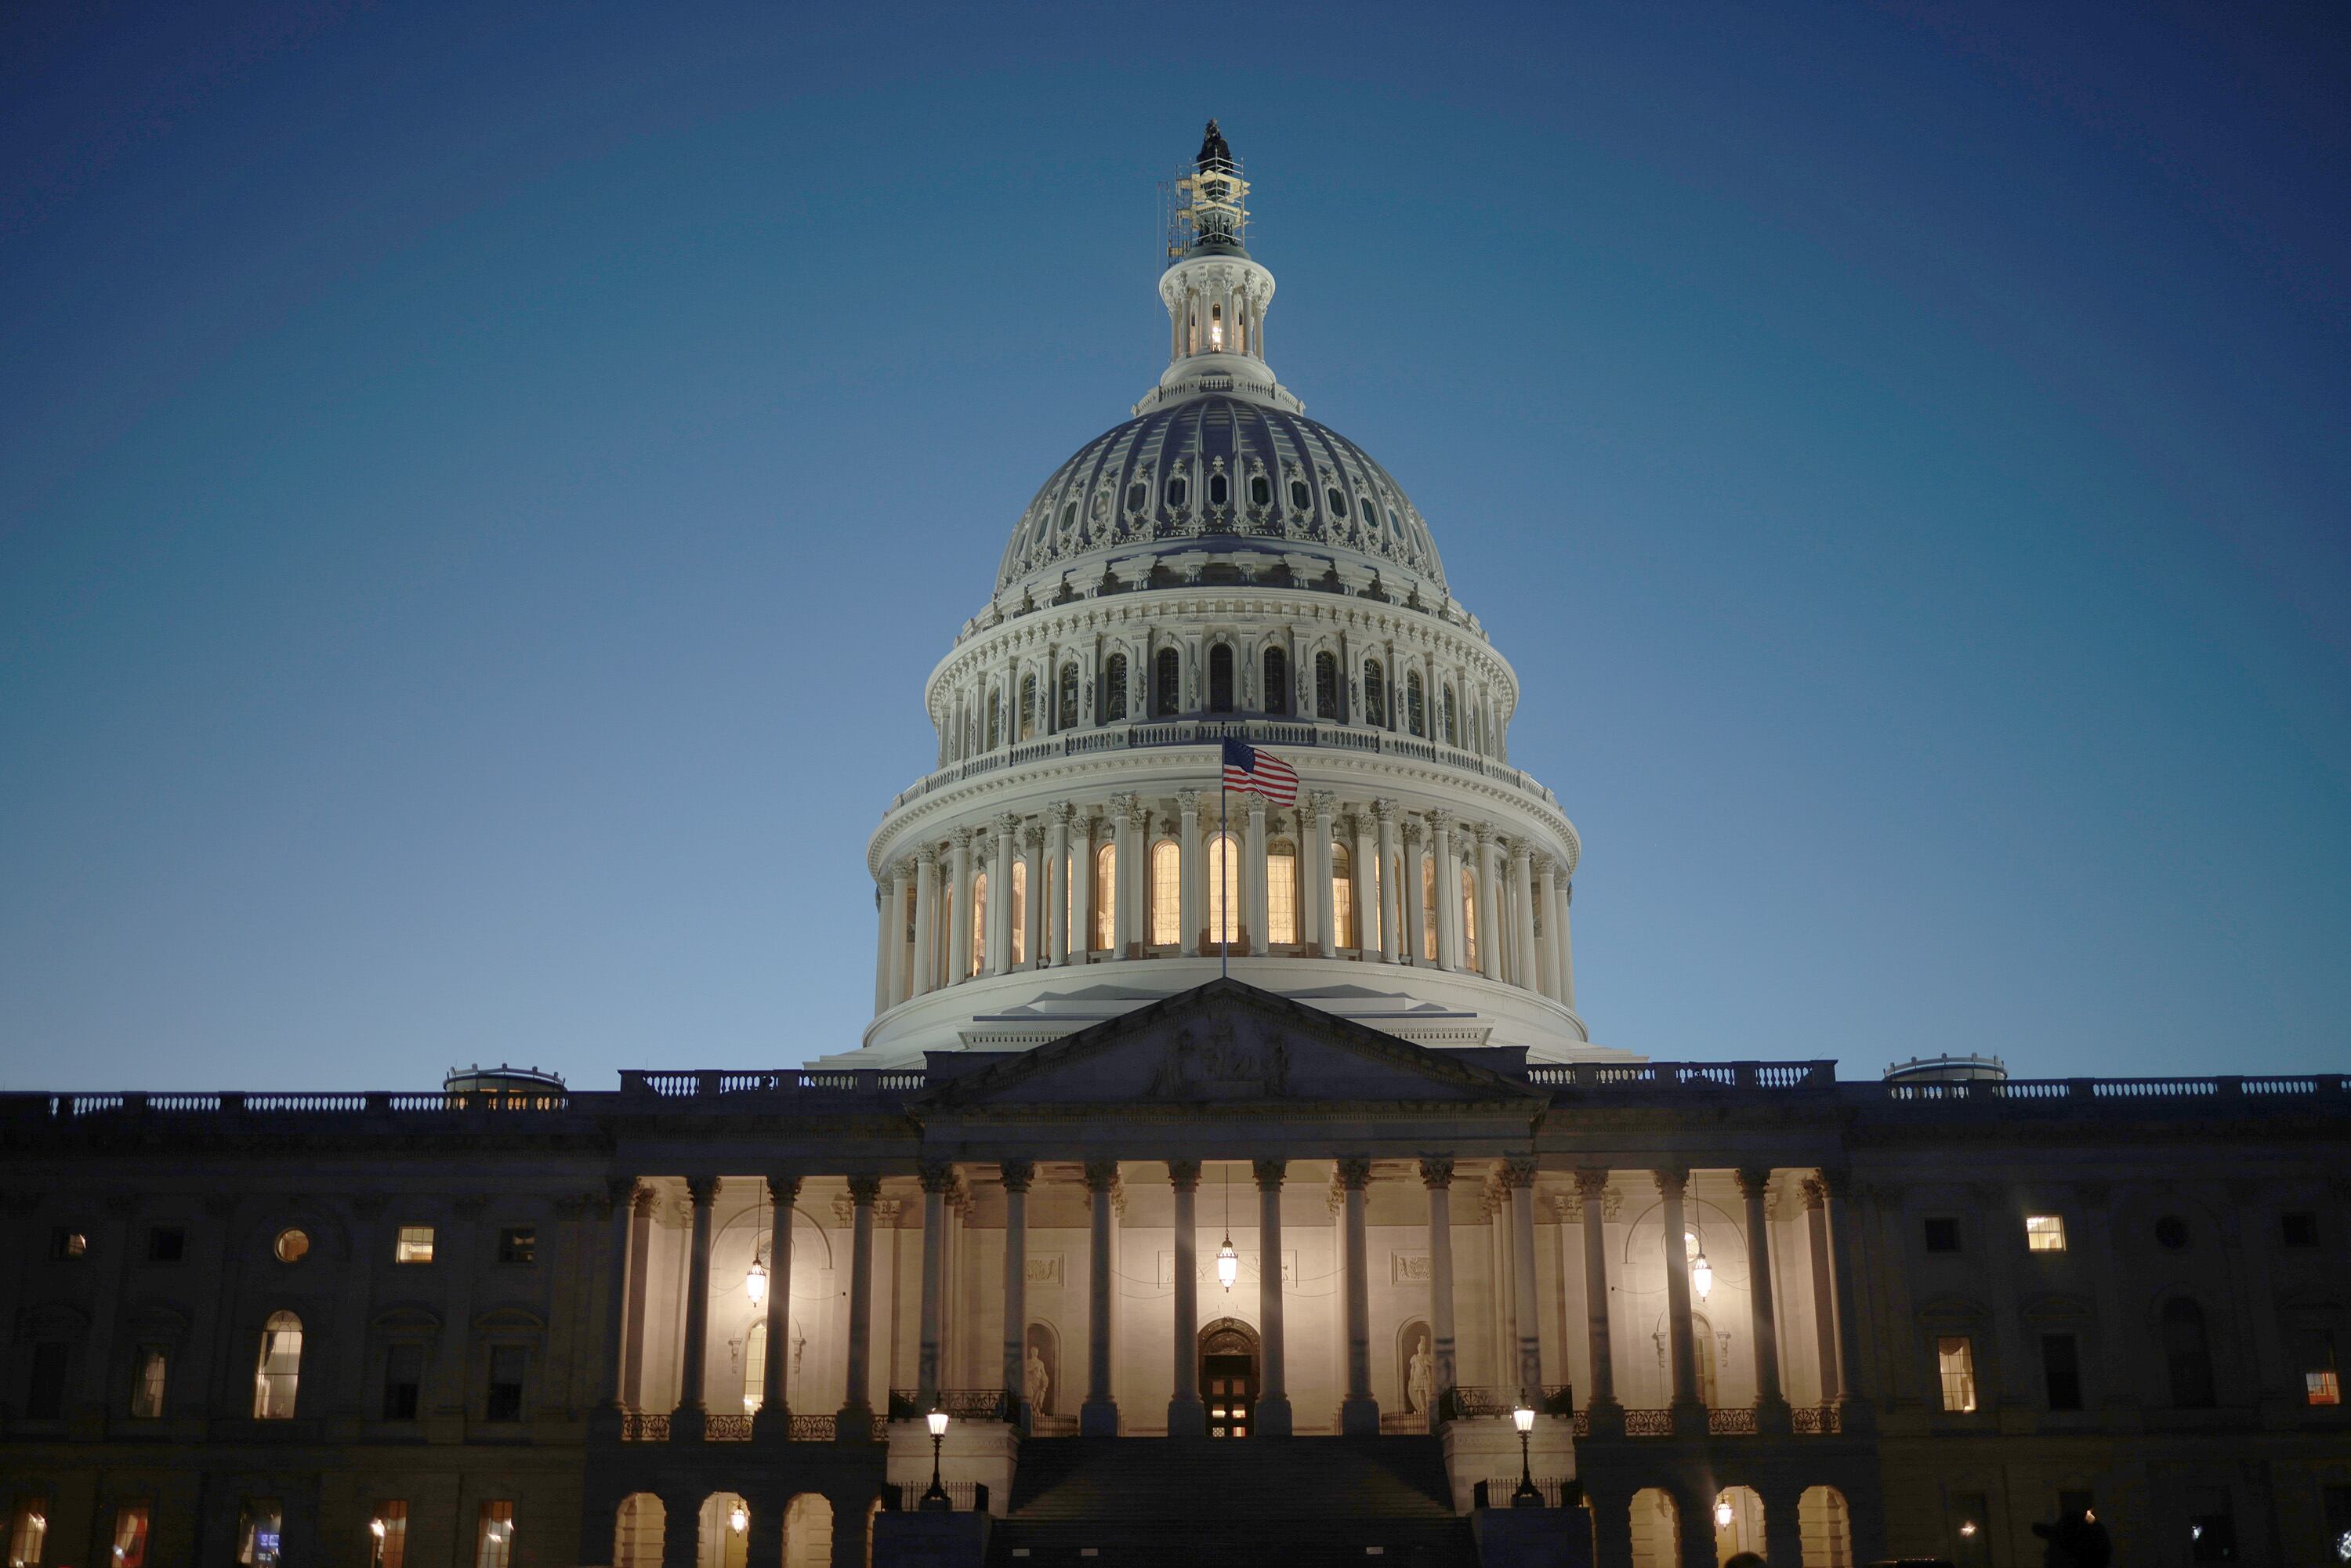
point(259, 1526)
point(494, 1535)
point(979, 922)
point(518, 1244)
point(131, 1536)
point(1167, 893)
point(414, 1246)
point(45, 1391)
point(755, 1368)
point(278, 1371)
point(1224, 890)
point(1428, 909)
point(28, 1529)
point(1956, 1360)
point(1469, 919)
point(147, 1382)
point(507, 1365)
point(2044, 1233)
point(1342, 896)
point(1105, 892)
point(1281, 896)
point(392, 1516)
point(1019, 912)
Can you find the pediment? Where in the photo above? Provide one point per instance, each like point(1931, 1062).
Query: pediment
point(1229, 1044)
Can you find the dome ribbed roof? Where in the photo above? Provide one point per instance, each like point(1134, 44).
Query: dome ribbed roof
point(1150, 484)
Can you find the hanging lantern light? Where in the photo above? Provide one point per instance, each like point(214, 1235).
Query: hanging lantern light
point(755, 1283)
point(1702, 1276)
point(1228, 1264)
point(738, 1518)
point(1723, 1512)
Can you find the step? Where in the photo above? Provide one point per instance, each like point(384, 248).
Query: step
point(1270, 1479)
point(1211, 1540)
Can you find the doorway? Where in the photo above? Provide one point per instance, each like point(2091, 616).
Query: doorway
point(1228, 1377)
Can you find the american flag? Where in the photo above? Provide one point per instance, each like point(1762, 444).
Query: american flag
point(1246, 767)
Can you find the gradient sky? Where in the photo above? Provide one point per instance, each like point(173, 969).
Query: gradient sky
point(479, 495)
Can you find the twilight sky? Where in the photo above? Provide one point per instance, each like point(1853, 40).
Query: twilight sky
point(479, 495)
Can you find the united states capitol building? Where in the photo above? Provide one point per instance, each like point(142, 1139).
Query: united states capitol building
point(1234, 1173)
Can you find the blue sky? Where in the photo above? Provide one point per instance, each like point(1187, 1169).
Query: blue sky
point(479, 495)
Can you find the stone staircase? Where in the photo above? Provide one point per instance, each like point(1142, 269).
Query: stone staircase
point(1295, 1502)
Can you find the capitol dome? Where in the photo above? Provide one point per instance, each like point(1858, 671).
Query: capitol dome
point(1219, 569)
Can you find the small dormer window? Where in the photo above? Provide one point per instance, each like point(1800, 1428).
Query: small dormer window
point(1301, 499)
point(1338, 499)
point(1068, 517)
point(1176, 493)
point(1260, 491)
point(1138, 495)
point(1218, 489)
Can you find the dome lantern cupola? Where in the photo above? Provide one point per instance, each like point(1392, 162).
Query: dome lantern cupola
point(1216, 296)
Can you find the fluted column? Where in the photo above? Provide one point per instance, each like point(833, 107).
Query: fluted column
point(1449, 892)
point(1313, 874)
point(936, 1178)
point(1098, 1418)
point(774, 1419)
point(1273, 1400)
point(1057, 873)
point(1367, 884)
point(1186, 1416)
point(999, 896)
point(1592, 1187)
point(1519, 1174)
point(1522, 914)
point(1326, 912)
point(1546, 941)
point(1672, 1183)
point(1188, 841)
point(1490, 926)
point(1816, 1229)
point(1438, 1174)
point(856, 1417)
point(1566, 947)
point(882, 923)
point(1391, 906)
point(686, 1421)
point(902, 947)
point(1016, 1175)
point(1359, 1414)
point(927, 920)
point(1770, 1405)
point(1081, 886)
point(959, 910)
point(1253, 879)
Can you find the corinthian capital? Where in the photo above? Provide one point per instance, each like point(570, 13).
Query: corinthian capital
point(1384, 811)
point(1188, 802)
point(1007, 825)
point(1484, 832)
point(1063, 811)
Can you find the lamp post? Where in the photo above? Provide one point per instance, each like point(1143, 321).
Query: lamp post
point(1526, 1496)
point(935, 1501)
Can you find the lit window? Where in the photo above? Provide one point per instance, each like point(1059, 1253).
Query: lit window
point(2322, 1388)
point(1224, 890)
point(2315, 1350)
point(2044, 1233)
point(755, 1368)
point(1428, 909)
point(1469, 919)
point(1105, 893)
point(1955, 1357)
point(66, 1243)
point(507, 1362)
point(277, 1371)
point(414, 1245)
point(388, 1534)
point(1019, 912)
point(1342, 896)
point(1167, 893)
point(147, 1382)
point(292, 1245)
point(260, 1525)
point(1281, 895)
point(978, 923)
point(27, 1531)
point(130, 1535)
point(494, 1535)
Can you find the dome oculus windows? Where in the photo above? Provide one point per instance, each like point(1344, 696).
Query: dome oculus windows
point(292, 1245)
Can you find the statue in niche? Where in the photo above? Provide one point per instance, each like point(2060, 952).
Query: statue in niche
point(1420, 1377)
point(1037, 1383)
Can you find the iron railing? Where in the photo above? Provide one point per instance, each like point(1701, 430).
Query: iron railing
point(1819, 1420)
point(644, 1426)
point(962, 1404)
point(906, 1497)
point(727, 1428)
point(1475, 1403)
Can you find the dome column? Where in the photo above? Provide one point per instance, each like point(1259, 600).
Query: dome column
point(926, 921)
point(882, 923)
point(902, 946)
point(1313, 872)
point(1033, 914)
point(1057, 876)
point(1566, 896)
point(1000, 896)
point(1489, 928)
point(1127, 869)
point(1187, 848)
point(959, 911)
point(1522, 914)
point(1418, 946)
point(1391, 904)
point(1082, 884)
point(1448, 892)
point(1253, 877)
point(1546, 909)
point(1362, 870)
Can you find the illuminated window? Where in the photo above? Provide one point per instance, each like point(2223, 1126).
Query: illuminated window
point(518, 1244)
point(1114, 688)
point(978, 923)
point(2044, 1233)
point(2314, 1352)
point(27, 1531)
point(414, 1245)
point(1105, 893)
point(131, 1536)
point(390, 1546)
point(277, 1370)
point(66, 1244)
point(1019, 912)
point(292, 1245)
point(1277, 679)
point(1282, 893)
point(1224, 889)
point(1342, 896)
point(147, 1375)
point(1955, 1357)
point(494, 1535)
point(260, 1526)
point(755, 1368)
point(1428, 909)
point(1167, 893)
point(1469, 919)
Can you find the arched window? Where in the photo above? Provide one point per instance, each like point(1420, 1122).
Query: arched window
point(1166, 681)
point(754, 1367)
point(1114, 689)
point(1167, 893)
point(1277, 681)
point(1428, 909)
point(1469, 919)
point(978, 923)
point(1375, 694)
point(1020, 911)
point(1820, 1517)
point(1337, 500)
point(1068, 716)
point(1282, 893)
point(1452, 728)
point(1343, 896)
point(1177, 492)
point(1260, 491)
point(278, 1371)
point(1415, 715)
point(995, 719)
point(1027, 707)
point(1220, 489)
point(1224, 889)
point(2188, 1354)
point(1326, 686)
point(637, 1528)
point(1137, 495)
point(807, 1532)
point(1105, 893)
point(1301, 496)
point(1220, 678)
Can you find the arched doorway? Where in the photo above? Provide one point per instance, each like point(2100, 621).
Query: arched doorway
point(1228, 1377)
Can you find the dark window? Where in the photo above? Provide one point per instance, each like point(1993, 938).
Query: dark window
point(1067, 708)
point(66, 1243)
point(1452, 723)
point(1218, 490)
point(2060, 1369)
point(45, 1391)
point(518, 1244)
point(1375, 694)
point(2299, 1228)
point(1220, 678)
point(1277, 681)
point(1970, 1529)
point(1338, 500)
point(403, 1377)
point(2171, 1233)
point(1415, 710)
point(1176, 491)
point(2187, 1354)
point(1261, 490)
point(995, 719)
point(166, 1244)
point(1068, 517)
point(2211, 1526)
point(1302, 499)
point(1137, 494)
point(1326, 686)
point(1114, 688)
point(1027, 707)
point(507, 1364)
point(1167, 680)
point(1942, 1234)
